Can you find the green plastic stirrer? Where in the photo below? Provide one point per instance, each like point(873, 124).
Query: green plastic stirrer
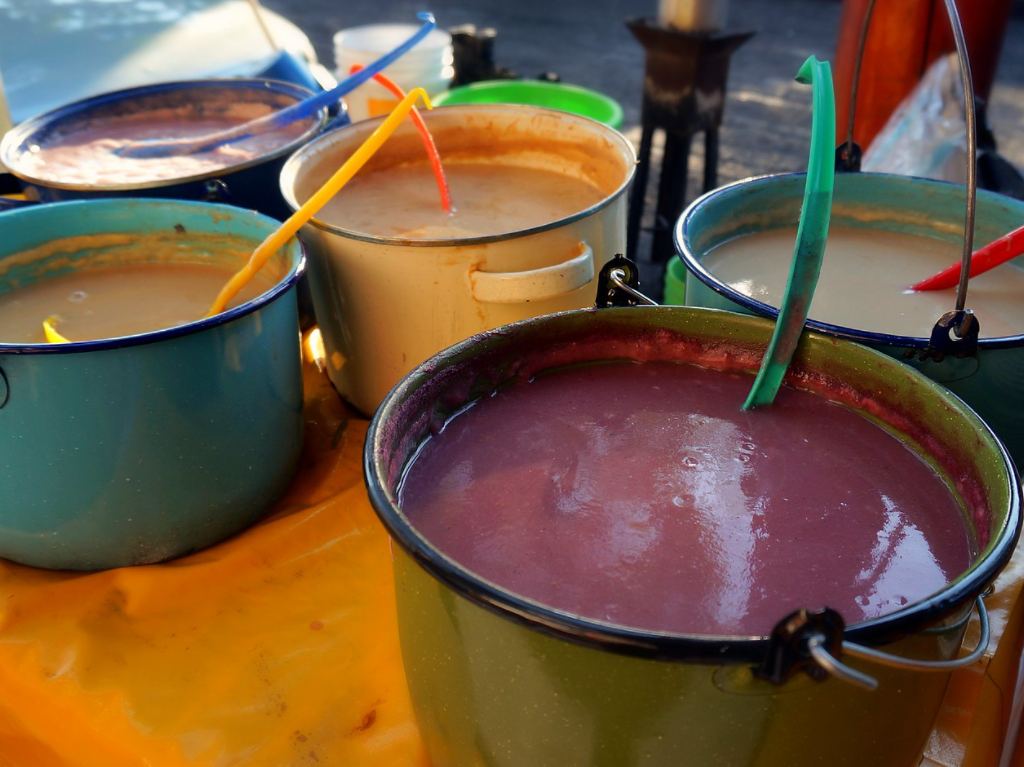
point(810, 236)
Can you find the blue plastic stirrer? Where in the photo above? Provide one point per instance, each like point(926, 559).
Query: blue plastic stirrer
point(275, 120)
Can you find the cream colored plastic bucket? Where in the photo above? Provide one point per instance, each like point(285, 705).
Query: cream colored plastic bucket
point(385, 305)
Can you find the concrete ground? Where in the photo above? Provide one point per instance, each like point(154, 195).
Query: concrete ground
point(584, 41)
point(767, 114)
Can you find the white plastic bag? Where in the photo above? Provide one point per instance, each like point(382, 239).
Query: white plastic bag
point(927, 134)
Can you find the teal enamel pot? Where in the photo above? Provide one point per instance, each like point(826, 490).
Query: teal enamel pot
point(137, 449)
point(501, 680)
point(990, 378)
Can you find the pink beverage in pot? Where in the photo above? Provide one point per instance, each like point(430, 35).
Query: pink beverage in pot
point(85, 150)
point(641, 495)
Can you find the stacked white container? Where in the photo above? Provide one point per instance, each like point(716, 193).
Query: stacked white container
point(428, 65)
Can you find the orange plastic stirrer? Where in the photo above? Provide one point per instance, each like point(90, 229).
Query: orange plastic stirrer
point(428, 140)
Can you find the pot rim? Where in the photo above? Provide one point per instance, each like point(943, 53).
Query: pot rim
point(293, 166)
point(20, 134)
point(713, 649)
point(295, 272)
point(694, 266)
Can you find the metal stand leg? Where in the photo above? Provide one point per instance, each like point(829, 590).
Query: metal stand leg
point(685, 76)
point(671, 194)
point(638, 193)
point(710, 159)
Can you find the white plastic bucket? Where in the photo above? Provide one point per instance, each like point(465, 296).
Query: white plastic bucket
point(385, 304)
point(428, 65)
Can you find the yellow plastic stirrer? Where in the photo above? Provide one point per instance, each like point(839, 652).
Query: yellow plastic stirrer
point(341, 177)
point(50, 331)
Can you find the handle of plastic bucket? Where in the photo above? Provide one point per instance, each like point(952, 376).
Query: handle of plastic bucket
point(534, 284)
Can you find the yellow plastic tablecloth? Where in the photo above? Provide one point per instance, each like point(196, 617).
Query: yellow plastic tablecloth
point(974, 719)
point(279, 647)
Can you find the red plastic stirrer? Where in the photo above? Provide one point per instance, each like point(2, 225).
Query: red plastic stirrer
point(428, 140)
point(992, 255)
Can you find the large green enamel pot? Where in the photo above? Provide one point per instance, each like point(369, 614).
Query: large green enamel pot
point(991, 381)
point(137, 449)
point(499, 680)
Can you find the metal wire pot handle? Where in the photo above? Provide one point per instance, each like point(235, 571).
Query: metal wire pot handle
point(834, 667)
point(955, 332)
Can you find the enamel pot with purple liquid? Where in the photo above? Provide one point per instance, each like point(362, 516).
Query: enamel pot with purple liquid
point(499, 679)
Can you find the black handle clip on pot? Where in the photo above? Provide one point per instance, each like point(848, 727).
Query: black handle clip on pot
point(812, 641)
point(954, 335)
point(618, 284)
point(809, 641)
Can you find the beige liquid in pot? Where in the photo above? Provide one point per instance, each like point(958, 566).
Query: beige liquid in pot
point(129, 285)
point(864, 281)
point(402, 201)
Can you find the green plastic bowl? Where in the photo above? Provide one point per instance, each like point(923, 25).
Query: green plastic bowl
point(568, 98)
point(675, 283)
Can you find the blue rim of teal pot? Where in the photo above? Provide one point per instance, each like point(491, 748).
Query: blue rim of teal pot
point(695, 267)
point(25, 131)
point(708, 649)
point(295, 272)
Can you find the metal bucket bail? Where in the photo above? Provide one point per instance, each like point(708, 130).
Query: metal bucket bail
point(955, 332)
